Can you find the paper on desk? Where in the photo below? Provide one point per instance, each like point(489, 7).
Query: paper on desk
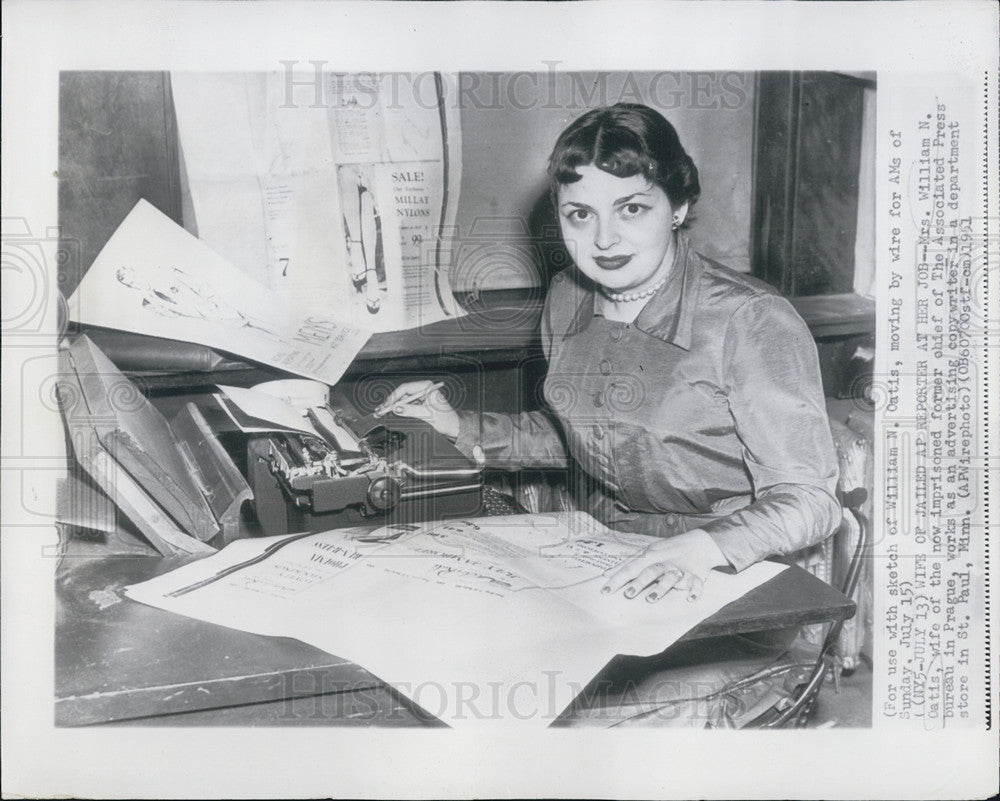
point(270, 413)
point(487, 621)
point(268, 408)
point(343, 189)
point(153, 277)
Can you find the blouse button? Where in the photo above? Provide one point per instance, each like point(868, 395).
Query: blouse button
point(616, 334)
point(598, 398)
point(598, 432)
point(670, 519)
point(605, 367)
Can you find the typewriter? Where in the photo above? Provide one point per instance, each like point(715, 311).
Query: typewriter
point(216, 472)
point(357, 468)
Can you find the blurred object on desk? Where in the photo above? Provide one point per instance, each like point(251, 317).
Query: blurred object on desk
point(140, 352)
point(175, 483)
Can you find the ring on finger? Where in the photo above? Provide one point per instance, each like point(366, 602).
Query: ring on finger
point(694, 587)
point(633, 589)
point(671, 570)
point(654, 592)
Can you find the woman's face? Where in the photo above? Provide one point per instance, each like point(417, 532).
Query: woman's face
point(619, 231)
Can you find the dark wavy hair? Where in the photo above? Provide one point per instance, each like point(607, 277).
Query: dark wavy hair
point(625, 139)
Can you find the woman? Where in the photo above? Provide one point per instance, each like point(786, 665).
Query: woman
point(690, 392)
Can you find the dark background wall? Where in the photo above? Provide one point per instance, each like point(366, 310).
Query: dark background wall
point(807, 165)
point(117, 144)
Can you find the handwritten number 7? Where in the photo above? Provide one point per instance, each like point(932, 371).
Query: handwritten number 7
point(284, 267)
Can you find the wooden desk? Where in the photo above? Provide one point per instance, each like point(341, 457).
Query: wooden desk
point(118, 660)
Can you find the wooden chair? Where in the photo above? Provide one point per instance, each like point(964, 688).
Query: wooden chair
point(803, 701)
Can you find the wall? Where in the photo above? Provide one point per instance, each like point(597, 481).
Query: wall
point(118, 144)
point(510, 122)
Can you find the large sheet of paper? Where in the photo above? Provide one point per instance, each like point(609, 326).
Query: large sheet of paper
point(345, 188)
point(153, 277)
point(486, 621)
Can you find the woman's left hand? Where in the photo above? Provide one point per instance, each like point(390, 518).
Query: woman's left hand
point(681, 564)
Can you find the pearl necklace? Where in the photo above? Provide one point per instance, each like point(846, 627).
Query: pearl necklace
point(626, 297)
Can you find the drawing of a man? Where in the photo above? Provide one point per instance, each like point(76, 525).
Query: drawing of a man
point(174, 293)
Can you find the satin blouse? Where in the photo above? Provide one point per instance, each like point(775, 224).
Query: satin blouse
point(706, 412)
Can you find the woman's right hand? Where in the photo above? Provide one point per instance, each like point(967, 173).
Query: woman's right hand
point(424, 401)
